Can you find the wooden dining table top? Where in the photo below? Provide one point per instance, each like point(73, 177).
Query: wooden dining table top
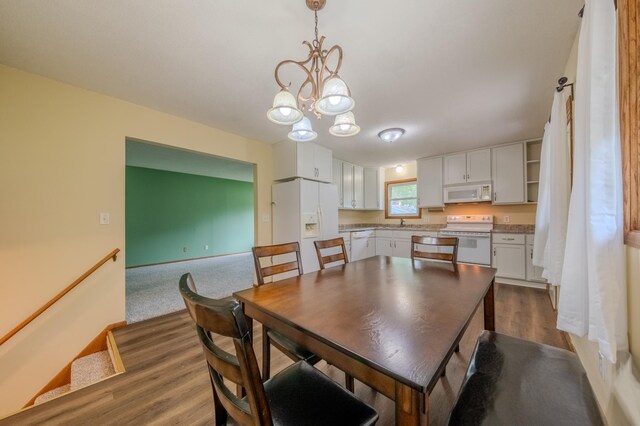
point(398, 316)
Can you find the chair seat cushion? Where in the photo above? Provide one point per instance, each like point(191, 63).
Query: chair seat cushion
point(292, 349)
point(512, 381)
point(302, 395)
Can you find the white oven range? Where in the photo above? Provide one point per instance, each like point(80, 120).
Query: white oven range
point(474, 237)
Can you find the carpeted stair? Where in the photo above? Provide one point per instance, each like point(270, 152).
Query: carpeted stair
point(84, 372)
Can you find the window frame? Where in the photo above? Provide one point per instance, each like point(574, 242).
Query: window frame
point(628, 69)
point(387, 214)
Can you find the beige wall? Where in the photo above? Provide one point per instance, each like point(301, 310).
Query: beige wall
point(62, 161)
point(518, 214)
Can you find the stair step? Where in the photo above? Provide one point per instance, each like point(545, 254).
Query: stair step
point(90, 369)
point(52, 394)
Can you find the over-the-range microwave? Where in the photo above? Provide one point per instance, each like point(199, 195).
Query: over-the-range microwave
point(468, 193)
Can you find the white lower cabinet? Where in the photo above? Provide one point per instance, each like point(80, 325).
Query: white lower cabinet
point(384, 246)
point(402, 248)
point(509, 256)
point(534, 273)
point(397, 243)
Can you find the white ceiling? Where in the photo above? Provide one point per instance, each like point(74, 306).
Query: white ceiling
point(152, 156)
point(455, 74)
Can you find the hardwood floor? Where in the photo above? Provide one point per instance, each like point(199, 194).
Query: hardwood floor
point(166, 380)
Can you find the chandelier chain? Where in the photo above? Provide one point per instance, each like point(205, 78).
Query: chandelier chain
point(315, 12)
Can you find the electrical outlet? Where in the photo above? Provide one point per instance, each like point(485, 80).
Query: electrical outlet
point(185, 249)
point(265, 217)
point(206, 246)
point(507, 219)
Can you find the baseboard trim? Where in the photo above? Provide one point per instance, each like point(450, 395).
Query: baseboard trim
point(186, 260)
point(521, 283)
point(99, 343)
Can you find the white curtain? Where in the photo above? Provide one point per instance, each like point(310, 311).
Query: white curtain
point(593, 288)
point(542, 209)
point(554, 192)
point(559, 172)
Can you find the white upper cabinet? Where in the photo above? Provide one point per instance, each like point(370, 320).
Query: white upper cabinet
point(430, 182)
point(358, 187)
point(508, 174)
point(337, 179)
point(372, 189)
point(302, 159)
point(322, 158)
point(455, 169)
point(466, 167)
point(352, 186)
point(479, 165)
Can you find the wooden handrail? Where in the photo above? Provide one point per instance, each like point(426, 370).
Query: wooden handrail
point(23, 324)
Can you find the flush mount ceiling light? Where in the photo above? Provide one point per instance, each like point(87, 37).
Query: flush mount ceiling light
point(323, 92)
point(399, 168)
point(391, 135)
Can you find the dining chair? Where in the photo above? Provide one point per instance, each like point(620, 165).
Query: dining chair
point(270, 337)
point(327, 244)
point(298, 395)
point(435, 242)
point(284, 344)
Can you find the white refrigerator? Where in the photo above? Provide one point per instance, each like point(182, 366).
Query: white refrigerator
point(304, 211)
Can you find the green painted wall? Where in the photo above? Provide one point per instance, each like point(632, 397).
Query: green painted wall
point(166, 211)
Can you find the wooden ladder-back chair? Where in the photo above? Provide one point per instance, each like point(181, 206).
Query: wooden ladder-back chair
point(270, 337)
point(298, 395)
point(327, 244)
point(435, 242)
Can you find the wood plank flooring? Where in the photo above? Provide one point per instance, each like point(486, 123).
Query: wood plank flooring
point(166, 380)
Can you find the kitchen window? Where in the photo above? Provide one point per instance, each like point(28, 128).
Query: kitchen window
point(629, 67)
point(402, 199)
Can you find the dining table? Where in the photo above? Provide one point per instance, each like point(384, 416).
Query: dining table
point(392, 323)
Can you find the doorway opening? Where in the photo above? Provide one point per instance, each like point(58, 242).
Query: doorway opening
point(185, 212)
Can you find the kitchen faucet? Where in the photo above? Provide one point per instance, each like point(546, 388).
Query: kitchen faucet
point(401, 221)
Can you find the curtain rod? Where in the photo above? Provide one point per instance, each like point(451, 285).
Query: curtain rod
point(562, 83)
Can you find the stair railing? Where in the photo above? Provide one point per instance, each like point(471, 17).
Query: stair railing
point(36, 314)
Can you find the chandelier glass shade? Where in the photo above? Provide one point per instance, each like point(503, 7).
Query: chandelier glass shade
point(302, 131)
point(285, 109)
point(322, 92)
point(345, 125)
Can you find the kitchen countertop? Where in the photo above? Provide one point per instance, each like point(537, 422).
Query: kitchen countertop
point(500, 228)
point(514, 229)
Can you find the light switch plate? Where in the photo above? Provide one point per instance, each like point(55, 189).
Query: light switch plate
point(266, 217)
point(104, 218)
point(507, 219)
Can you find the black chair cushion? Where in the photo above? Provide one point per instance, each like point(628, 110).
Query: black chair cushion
point(292, 349)
point(516, 382)
point(302, 395)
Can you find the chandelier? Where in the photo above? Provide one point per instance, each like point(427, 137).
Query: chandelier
point(323, 92)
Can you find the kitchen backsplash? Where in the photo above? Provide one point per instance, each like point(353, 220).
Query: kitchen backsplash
point(521, 214)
